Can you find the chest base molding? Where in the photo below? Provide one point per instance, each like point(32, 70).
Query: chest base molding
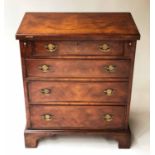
point(123, 137)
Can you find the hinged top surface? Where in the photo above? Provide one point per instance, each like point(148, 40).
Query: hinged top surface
point(78, 25)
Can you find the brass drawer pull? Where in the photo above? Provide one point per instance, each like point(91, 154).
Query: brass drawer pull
point(110, 68)
point(108, 117)
point(47, 117)
point(104, 48)
point(51, 47)
point(109, 92)
point(44, 68)
point(45, 91)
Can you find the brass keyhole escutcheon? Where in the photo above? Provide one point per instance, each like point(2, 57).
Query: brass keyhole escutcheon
point(108, 117)
point(51, 47)
point(104, 48)
point(109, 92)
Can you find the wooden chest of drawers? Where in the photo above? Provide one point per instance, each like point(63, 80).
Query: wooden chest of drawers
point(77, 74)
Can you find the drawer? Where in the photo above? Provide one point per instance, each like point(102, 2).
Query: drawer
point(40, 91)
point(62, 48)
point(77, 117)
point(77, 68)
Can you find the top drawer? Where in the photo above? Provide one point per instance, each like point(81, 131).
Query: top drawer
point(77, 48)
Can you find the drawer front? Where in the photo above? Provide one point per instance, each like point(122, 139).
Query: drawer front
point(78, 91)
point(54, 48)
point(78, 117)
point(78, 68)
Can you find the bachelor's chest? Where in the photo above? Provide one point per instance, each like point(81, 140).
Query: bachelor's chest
point(77, 74)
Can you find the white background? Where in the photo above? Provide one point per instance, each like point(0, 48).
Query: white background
point(14, 100)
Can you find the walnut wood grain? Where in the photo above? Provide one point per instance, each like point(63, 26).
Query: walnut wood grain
point(78, 25)
point(78, 91)
point(77, 117)
point(69, 48)
point(118, 49)
point(78, 68)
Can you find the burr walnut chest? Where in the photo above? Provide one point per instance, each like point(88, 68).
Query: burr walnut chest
point(77, 74)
